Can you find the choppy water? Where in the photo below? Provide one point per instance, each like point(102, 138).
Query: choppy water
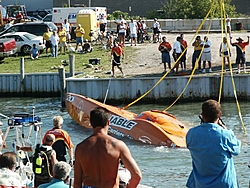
point(161, 167)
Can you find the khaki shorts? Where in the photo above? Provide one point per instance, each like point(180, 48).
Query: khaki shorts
point(63, 44)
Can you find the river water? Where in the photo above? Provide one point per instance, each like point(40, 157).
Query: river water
point(161, 167)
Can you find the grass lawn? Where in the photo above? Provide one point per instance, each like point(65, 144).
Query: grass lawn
point(50, 64)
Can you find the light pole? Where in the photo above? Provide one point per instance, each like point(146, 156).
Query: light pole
point(89, 3)
point(129, 9)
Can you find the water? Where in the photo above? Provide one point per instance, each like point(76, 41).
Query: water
point(161, 167)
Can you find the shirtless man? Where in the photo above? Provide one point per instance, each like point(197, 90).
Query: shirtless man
point(97, 157)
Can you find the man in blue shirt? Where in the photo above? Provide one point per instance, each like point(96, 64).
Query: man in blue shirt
point(211, 146)
point(61, 171)
point(34, 52)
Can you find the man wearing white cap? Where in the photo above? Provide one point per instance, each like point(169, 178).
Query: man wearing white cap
point(79, 31)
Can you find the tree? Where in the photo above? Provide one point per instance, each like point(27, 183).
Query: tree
point(194, 9)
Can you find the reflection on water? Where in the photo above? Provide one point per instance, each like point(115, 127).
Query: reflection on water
point(161, 167)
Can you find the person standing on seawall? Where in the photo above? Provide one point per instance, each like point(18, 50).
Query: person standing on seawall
point(240, 52)
point(211, 147)
point(165, 47)
point(206, 54)
point(196, 54)
point(97, 158)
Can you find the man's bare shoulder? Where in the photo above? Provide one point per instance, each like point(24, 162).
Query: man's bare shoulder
point(102, 139)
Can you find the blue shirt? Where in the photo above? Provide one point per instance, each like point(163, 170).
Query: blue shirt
point(34, 52)
point(211, 149)
point(55, 183)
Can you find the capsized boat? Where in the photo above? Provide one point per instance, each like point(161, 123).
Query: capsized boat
point(151, 127)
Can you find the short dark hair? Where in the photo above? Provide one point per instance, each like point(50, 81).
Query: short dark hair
point(211, 110)
point(8, 160)
point(99, 117)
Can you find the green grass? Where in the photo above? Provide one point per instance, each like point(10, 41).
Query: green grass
point(50, 64)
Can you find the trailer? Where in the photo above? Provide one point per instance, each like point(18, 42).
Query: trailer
point(61, 13)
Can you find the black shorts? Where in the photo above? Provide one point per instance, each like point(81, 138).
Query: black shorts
point(241, 59)
point(177, 56)
point(116, 63)
point(156, 31)
point(48, 44)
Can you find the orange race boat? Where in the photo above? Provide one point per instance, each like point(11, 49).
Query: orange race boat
point(150, 127)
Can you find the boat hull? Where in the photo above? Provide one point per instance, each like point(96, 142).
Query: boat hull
point(150, 127)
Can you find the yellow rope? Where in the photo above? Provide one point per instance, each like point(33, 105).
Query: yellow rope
point(223, 15)
point(196, 63)
point(157, 83)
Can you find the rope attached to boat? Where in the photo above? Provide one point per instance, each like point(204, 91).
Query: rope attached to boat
point(158, 82)
point(223, 21)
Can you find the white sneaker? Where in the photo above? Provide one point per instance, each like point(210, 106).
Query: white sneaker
point(210, 70)
point(204, 71)
point(238, 72)
point(123, 75)
point(245, 71)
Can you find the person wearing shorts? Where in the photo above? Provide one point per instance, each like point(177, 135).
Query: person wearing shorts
point(46, 40)
point(133, 31)
point(225, 53)
point(62, 39)
point(206, 54)
point(156, 28)
point(116, 52)
point(240, 52)
point(165, 47)
point(122, 32)
point(79, 31)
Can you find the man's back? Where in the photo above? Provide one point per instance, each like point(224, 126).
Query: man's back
point(102, 156)
point(97, 157)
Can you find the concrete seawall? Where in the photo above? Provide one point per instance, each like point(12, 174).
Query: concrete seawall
point(128, 89)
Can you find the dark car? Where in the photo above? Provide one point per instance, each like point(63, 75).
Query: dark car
point(41, 13)
point(36, 28)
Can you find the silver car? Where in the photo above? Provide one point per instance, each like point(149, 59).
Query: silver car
point(25, 41)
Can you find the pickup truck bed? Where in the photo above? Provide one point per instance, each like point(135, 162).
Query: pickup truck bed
point(7, 48)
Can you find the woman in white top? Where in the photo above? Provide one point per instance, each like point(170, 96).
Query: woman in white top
point(225, 52)
point(122, 32)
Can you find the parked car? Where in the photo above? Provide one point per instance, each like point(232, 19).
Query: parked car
point(47, 18)
point(25, 41)
point(36, 28)
point(7, 48)
point(41, 13)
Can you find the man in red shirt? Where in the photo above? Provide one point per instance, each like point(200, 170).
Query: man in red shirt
point(165, 47)
point(240, 52)
point(116, 53)
point(183, 47)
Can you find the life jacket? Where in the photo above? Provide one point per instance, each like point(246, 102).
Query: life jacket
point(42, 166)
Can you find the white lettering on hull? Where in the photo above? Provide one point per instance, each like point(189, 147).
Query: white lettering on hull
point(121, 122)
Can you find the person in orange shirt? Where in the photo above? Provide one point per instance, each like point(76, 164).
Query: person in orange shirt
point(116, 53)
point(240, 52)
point(62, 140)
point(183, 47)
point(165, 47)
